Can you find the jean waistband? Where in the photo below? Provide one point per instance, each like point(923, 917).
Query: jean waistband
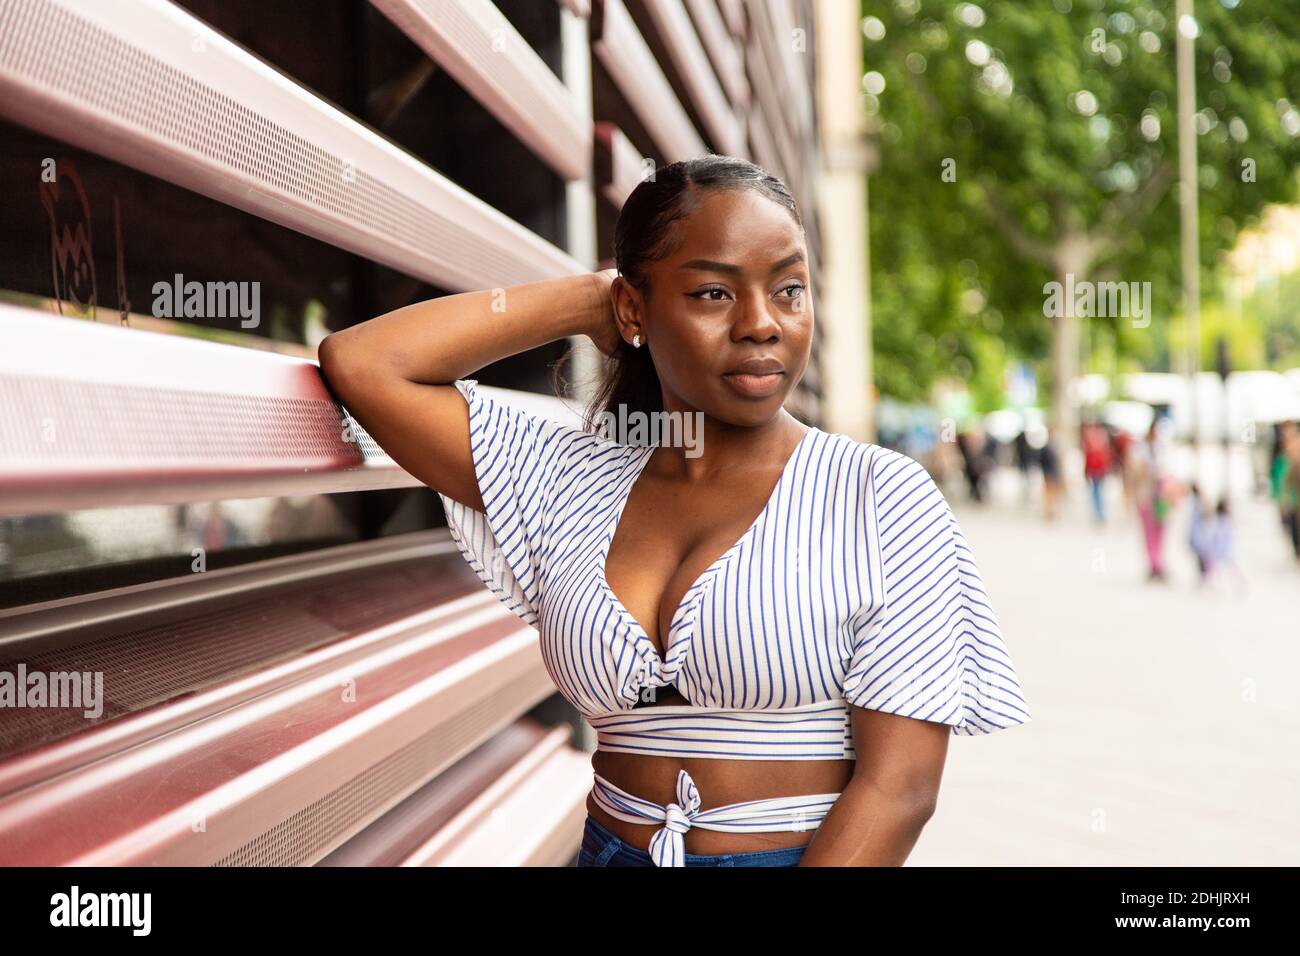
point(604, 837)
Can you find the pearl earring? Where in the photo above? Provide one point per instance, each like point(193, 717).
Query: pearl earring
point(636, 341)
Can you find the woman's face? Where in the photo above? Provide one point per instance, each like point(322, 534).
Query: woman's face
point(735, 289)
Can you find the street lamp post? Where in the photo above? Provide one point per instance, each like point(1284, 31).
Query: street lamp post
point(1185, 33)
point(1224, 366)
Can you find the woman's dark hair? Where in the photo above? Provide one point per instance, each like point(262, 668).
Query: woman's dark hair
point(645, 234)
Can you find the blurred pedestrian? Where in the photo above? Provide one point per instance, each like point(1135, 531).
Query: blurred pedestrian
point(1096, 465)
point(1149, 490)
point(1025, 458)
point(1050, 464)
point(1285, 475)
point(1222, 547)
point(1122, 442)
point(975, 460)
point(1200, 533)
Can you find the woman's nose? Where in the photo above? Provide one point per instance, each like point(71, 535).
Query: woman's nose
point(756, 320)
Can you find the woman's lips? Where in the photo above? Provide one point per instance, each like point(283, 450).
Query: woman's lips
point(754, 386)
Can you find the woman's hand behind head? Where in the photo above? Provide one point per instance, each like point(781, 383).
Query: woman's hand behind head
point(604, 331)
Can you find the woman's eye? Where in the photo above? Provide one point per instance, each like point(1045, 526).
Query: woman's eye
point(707, 292)
point(796, 290)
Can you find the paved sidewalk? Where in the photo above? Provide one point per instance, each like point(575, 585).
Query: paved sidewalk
point(1166, 724)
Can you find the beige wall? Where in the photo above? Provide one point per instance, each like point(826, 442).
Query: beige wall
point(844, 301)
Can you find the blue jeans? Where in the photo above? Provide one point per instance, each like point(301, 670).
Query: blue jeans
point(1096, 484)
point(600, 847)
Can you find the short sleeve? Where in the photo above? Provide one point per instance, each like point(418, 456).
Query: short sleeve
point(520, 460)
point(932, 649)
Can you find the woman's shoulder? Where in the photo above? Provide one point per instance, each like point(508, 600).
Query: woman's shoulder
point(881, 477)
point(876, 463)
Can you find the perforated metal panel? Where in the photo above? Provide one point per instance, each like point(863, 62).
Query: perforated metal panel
point(148, 664)
point(80, 430)
point(136, 423)
point(318, 828)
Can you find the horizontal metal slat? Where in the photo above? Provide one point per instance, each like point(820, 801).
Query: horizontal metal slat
point(393, 837)
point(696, 72)
point(164, 93)
point(620, 166)
point(722, 50)
point(174, 651)
point(770, 102)
point(623, 51)
point(733, 12)
point(777, 20)
point(319, 761)
point(36, 628)
point(97, 414)
point(474, 42)
point(764, 148)
point(531, 816)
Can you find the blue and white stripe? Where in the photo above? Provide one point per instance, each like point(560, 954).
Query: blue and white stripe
point(668, 845)
point(853, 586)
point(816, 731)
point(934, 650)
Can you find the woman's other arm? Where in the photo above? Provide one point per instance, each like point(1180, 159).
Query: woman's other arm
point(393, 372)
point(892, 795)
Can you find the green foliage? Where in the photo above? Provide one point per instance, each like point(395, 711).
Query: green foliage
point(1263, 331)
point(1276, 309)
point(1059, 121)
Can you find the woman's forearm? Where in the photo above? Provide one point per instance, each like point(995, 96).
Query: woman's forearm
point(440, 340)
point(868, 826)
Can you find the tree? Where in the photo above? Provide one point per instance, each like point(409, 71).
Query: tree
point(1027, 142)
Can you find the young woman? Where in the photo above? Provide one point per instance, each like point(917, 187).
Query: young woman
point(1151, 492)
point(773, 633)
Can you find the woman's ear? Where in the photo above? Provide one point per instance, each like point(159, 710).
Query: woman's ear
point(627, 308)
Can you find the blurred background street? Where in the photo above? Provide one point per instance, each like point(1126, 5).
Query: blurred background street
point(1085, 303)
point(1165, 715)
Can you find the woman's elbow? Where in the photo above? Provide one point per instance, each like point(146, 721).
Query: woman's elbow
point(342, 354)
point(924, 805)
point(337, 355)
point(917, 804)
point(329, 351)
point(335, 360)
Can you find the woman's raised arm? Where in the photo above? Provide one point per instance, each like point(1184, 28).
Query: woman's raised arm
point(393, 373)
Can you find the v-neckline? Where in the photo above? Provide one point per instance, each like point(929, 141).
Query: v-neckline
point(688, 598)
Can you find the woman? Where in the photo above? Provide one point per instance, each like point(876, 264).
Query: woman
point(774, 638)
point(1150, 492)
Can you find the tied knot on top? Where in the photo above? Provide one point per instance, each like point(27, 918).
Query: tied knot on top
point(668, 845)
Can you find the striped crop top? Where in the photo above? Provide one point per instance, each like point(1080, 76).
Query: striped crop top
point(853, 587)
